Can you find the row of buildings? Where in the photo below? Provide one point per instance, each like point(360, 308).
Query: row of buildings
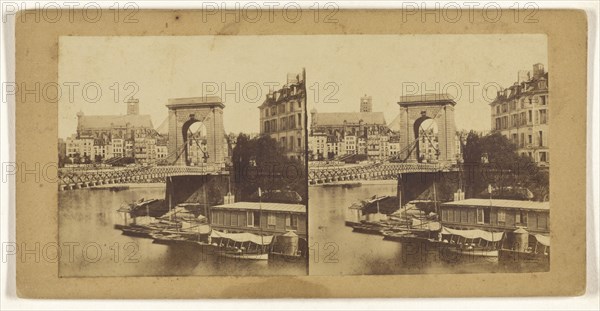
point(108, 138)
point(104, 137)
point(520, 113)
point(366, 134)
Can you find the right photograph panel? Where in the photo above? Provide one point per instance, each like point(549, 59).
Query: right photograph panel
point(430, 154)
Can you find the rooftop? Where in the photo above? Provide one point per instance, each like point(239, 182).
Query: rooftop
point(100, 121)
point(516, 204)
point(265, 206)
point(338, 118)
point(426, 98)
point(196, 101)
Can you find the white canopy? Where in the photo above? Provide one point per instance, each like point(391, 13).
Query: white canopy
point(475, 234)
point(542, 239)
point(243, 237)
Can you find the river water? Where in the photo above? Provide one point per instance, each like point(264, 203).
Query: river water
point(90, 246)
point(336, 250)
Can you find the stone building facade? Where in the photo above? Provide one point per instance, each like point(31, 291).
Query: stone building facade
point(520, 113)
point(282, 116)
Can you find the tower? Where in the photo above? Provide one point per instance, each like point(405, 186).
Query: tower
point(80, 116)
point(366, 104)
point(133, 106)
point(313, 117)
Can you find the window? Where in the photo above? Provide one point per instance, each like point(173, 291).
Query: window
point(271, 219)
point(542, 221)
point(541, 136)
point(543, 116)
point(543, 157)
point(521, 218)
point(530, 139)
point(522, 139)
point(480, 215)
point(501, 216)
point(256, 218)
point(249, 219)
point(294, 221)
point(234, 219)
point(530, 120)
point(288, 221)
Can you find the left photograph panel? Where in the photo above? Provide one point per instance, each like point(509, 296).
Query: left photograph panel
point(182, 156)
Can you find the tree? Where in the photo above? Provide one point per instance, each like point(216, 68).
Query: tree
point(503, 168)
point(261, 162)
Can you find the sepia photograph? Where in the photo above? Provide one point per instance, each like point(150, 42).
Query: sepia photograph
point(433, 158)
point(429, 158)
point(192, 164)
point(346, 153)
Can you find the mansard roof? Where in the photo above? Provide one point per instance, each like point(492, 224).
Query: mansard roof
point(338, 118)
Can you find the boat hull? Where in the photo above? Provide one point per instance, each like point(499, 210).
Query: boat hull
point(244, 256)
point(475, 252)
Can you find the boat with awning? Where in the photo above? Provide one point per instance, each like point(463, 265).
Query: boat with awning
point(474, 242)
point(244, 245)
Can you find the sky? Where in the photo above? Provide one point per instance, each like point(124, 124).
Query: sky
point(104, 71)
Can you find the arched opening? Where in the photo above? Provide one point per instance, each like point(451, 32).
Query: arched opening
point(194, 140)
point(427, 141)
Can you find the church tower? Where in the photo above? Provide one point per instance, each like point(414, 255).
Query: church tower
point(133, 106)
point(366, 104)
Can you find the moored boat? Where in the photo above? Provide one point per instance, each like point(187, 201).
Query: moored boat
point(245, 245)
point(475, 242)
point(167, 238)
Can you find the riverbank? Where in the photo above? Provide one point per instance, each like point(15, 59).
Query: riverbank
point(124, 186)
point(361, 182)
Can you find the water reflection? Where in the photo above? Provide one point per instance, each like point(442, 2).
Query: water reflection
point(92, 247)
point(369, 254)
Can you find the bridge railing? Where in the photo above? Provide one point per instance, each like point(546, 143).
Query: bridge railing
point(74, 179)
point(322, 174)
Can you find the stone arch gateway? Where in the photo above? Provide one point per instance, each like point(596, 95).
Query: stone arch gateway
point(414, 110)
point(183, 112)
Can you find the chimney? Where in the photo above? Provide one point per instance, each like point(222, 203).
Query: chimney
point(523, 76)
point(292, 78)
point(538, 70)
